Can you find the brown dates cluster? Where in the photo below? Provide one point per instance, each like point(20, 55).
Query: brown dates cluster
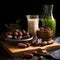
point(30, 54)
point(35, 42)
point(40, 42)
point(17, 34)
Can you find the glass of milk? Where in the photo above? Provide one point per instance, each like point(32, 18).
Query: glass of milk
point(33, 24)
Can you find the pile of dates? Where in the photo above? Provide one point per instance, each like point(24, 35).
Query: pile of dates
point(41, 42)
point(17, 34)
point(35, 42)
point(30, 54)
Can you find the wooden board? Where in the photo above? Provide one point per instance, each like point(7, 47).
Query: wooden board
point(16, 51)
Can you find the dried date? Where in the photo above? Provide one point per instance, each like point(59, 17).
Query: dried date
point(21, 45)
point(28, 55)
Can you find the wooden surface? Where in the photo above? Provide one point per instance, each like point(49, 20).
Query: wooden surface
point(16, 51)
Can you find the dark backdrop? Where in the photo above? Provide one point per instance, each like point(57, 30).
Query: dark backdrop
point(19, 9)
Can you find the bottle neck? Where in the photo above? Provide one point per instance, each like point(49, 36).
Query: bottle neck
point(48, 11)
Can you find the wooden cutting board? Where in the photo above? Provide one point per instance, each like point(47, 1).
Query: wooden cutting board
point(16, 51)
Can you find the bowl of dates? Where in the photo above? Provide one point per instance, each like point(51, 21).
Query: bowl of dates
point(17, 36)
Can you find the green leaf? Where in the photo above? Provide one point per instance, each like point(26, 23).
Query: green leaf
point(6, 25)
point(17, 21)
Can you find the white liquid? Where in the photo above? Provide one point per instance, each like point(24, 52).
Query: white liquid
point(33, 26)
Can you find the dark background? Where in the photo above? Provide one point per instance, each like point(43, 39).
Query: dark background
point(19, 9)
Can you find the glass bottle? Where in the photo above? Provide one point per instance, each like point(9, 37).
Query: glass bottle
point(47, 18)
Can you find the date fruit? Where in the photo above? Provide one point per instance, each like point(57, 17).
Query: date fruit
point(28, 44)
point(20, 33)
point(9, 36)
point(16, 33)
point(27, 54)
point(21, 45)
point(44, 43)
point(50, 42)
point(33, 41)
point(34, 52)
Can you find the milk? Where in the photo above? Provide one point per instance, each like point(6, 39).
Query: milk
point(33, 25)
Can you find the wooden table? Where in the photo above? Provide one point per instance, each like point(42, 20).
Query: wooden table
point(16, 51)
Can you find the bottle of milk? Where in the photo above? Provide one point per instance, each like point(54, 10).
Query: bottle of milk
point(33, 24)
